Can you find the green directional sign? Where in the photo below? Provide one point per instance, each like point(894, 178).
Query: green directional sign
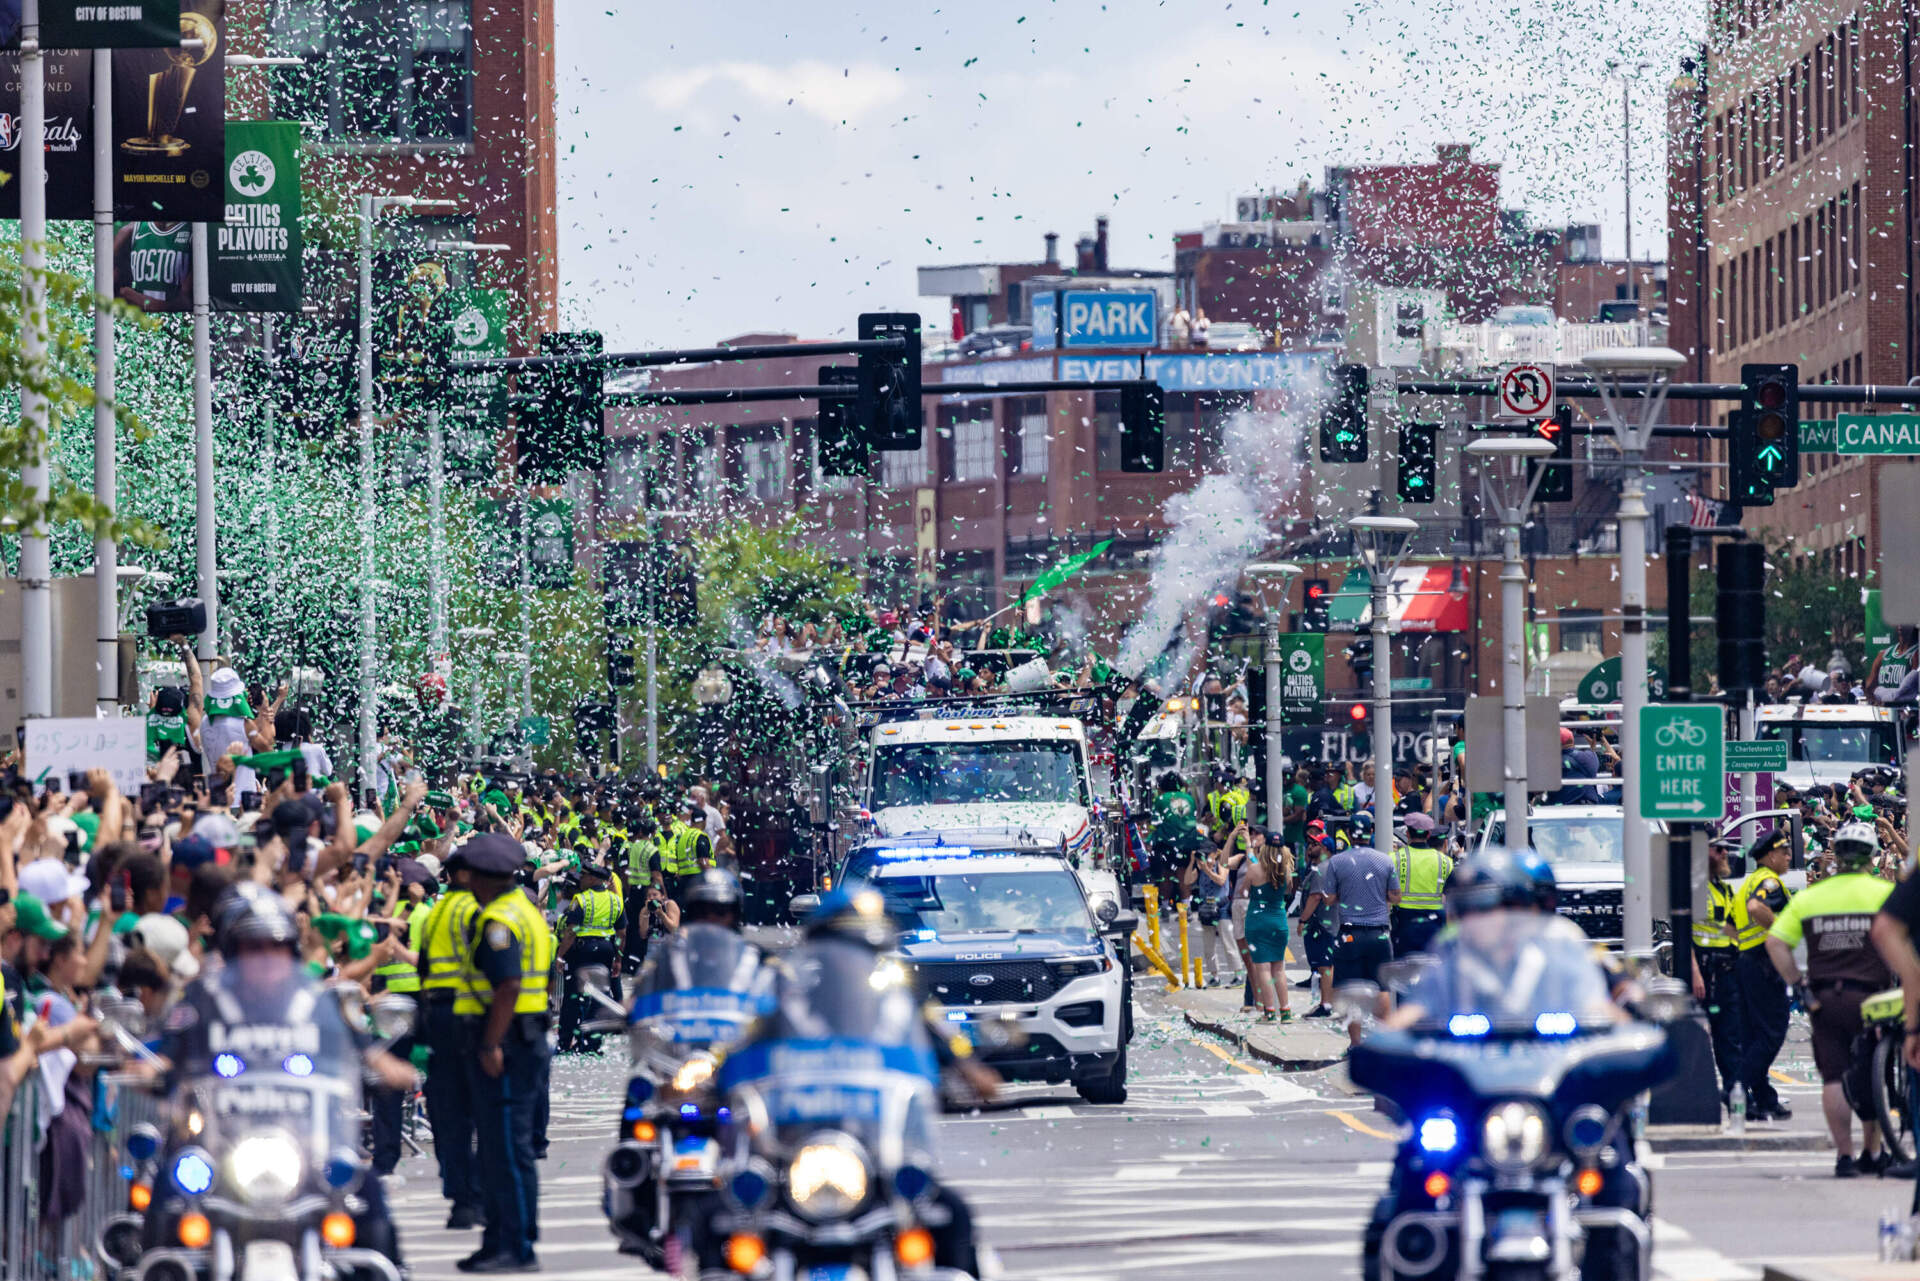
point(1682, 764)
point(1765, 756)
point(1879, 433)
point(1601, 684)
point(1818, 436)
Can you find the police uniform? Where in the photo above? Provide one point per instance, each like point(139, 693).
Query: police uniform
point(1716, 953)
point(386, 1106)
point(1763, 993)
point(686, 853)
point(511, 941)
point(594, 920)
point(643, 855)
point(1422, 910)
point(446, 939)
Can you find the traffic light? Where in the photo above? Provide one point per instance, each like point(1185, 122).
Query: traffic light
point(1143, 428)
point(621, 670)
point(1360, 659)
point(1357, 715)
point(1740, 615)
point(680, 592)
point(1343, 419)
point(1419, 462)
point(1764, 451)
point(564, 430)
point(889, 382)
point(1556, 482)
point(1316, 610)
point(623, 589)
point(843, 449)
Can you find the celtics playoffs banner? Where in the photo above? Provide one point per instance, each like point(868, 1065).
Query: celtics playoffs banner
point(69, 135)
point(256, 251)
point(170, 124)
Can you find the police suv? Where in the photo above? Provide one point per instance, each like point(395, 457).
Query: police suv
point(1012, 938)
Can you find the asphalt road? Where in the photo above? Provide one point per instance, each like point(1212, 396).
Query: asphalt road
point(1213, 1164)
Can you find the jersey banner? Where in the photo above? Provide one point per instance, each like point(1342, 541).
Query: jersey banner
point(256, 251)
point(170, 123)
point(153, 265)
point(69, 135)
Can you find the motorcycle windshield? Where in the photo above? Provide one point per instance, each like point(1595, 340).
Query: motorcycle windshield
point(1511, 974)
point(703, 986)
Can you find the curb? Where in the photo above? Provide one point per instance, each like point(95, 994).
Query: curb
point(1251, 1050)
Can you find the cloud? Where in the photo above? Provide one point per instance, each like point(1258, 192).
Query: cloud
point(834, 94)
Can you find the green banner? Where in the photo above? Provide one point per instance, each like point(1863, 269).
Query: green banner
point(1878, 634)
point(550, 543)
point(476, 410)
point(123, 24)
point(480, 324)
point(1303, 677)
point(256, 251)
point(496, 542)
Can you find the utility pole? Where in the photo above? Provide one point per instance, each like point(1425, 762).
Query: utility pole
point(1382, 543)
point(36, 555)
point(106, 552)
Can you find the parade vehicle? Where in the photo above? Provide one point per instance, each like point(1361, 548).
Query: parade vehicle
point(258, 1174)
point(1584, 845)
point(1830, 742)
point(1515, 1084)
point(1012, 943)
point(696, 996)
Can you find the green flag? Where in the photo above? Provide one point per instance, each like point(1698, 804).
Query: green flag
point(1061, 572)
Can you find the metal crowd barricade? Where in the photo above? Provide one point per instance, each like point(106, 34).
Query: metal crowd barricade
point(20, 1245)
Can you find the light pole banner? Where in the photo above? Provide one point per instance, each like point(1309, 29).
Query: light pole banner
point(69, 135)
point(121, 24)
point(170, 124)
point(256, 251)
point(1303, 677)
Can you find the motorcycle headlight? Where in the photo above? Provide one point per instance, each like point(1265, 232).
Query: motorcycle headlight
point(1514, 1134)
point(693, 1074)
point(828, 1177)
point(265, 1167)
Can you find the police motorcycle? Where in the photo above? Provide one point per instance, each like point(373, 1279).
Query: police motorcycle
point(254, 1173)
point(1514, 1074)
point(696, 995)
point(832, 1099)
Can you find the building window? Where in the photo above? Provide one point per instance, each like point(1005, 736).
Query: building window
point(703, 468)
point(763, 468)
point(904, 468)
point(967, 432)
point(1106, 430)
point(1031, 439)
point(398, 71)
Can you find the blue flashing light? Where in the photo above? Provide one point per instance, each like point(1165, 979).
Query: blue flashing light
point(1439, 1133)
point(639, 1090)
point(1469, 1025)
point(956, 1016)
point(723, 1114)
point(228, 1065)
point(1556, 1023)
point(193, 1172)
point(632, 1113)
point(126, 1172)
point(749, 1187)
point(917, 853)
point(690, 1111)
point(297, 1065)
point(340, 1170)
point(142, 1144)
point(911, 1182)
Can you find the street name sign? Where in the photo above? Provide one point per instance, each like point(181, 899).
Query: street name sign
point(1682, 761)
point(1878, 433)
point(1761, 756)
point(1818, 436)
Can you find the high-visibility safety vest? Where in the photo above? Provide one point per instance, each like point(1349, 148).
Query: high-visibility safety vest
point(515, 912)
point(404, 976)
point(641, 851)
point(1752, 933)
point(599, 913)
point(681, 855)
point(447, 941)
point(1423, 874)
point(1344, 796)
point(1711, 933)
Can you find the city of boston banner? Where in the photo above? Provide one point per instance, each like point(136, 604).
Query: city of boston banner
point(170, 124)
point(256, 250)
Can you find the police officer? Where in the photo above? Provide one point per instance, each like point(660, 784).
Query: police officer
point(1763, 994)
point(1715, 980)
point(446, 940)
point(587, 938)
point(503, 994)
point(642, 869)
point(1423, 872)
point(687, 850)
point(385, 1107)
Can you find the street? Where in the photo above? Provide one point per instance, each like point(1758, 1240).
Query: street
point(1214, 1163)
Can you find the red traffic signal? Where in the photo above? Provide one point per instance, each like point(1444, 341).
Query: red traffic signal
point(1358, 712)
point(1316, 590)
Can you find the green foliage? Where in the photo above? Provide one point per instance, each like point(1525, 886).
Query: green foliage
point(1811, 610)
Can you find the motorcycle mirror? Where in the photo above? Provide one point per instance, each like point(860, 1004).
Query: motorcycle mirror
point(1399, 975)
point(597, 984)
point(1355, 1000)
point(1666, 1001)
point(803, 905)
point(392, 1015)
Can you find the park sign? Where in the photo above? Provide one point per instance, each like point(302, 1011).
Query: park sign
point(1682, 765)
point(1878, 434)
point(1078, 319)
point(1601, 684)
point(256, 251)
point(1303, 677)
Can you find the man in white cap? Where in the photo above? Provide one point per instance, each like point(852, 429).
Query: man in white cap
point(225, 726)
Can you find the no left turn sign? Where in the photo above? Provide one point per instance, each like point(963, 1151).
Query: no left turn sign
point(1526, 391)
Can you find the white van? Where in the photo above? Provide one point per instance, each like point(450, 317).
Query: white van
point(1830, 742)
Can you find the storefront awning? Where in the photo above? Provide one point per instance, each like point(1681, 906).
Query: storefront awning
point(1419, 598)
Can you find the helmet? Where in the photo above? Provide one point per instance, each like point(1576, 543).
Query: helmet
point(1487, 881)
point(859, 916)
point(716, 887)
point(1539, 873)
point(1856, 843)
point(251, 913)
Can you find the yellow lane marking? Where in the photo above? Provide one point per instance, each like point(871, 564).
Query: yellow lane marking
point(1354, 1122)
point(1783, 1078)
point(1217, 1052)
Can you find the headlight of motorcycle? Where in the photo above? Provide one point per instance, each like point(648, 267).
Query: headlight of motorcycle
point(1514, 1134)
point(265, 1167)
point(693, 1074)
point(828, 1177)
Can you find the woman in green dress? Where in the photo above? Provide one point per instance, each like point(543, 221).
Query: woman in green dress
point(1268, 879)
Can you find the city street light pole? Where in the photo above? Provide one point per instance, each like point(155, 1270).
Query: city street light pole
point(36, 555)
point(106, 552)
point(1508, 489)
point(1276, 581)
point(1646, 370)
point(1382, 543)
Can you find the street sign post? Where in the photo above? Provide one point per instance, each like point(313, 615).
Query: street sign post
point(1526, 391)
point(1682, 761)
point(1763, 756)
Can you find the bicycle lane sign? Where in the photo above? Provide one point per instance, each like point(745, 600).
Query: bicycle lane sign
point(1682, 761)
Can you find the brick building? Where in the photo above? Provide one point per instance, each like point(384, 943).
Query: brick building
point(1790, 208)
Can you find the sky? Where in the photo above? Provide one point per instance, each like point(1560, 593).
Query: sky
point(752, 166)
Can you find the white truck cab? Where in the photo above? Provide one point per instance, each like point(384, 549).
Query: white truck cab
point(1830, 742)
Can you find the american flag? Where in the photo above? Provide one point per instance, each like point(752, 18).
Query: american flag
point(1701, 512)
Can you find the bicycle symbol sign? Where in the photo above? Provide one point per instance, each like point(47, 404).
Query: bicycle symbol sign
point(1682, 751)
point(1526, 391)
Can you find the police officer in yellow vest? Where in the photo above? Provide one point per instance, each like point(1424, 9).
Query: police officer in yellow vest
point(446, 940)
point(587, 937)
point(1763, 993)
point(687, 852)
point(1227, 804)
point(386, 1106)
point(642, 871)
point(1716, 982)
point(503, 992)
point(1422, 872)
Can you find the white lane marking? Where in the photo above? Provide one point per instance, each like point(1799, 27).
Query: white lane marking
point(1226, 1109)
point(1047, 1113)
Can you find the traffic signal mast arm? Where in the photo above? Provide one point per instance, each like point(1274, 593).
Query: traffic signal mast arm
point(736, 395)
point(1814, 393)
